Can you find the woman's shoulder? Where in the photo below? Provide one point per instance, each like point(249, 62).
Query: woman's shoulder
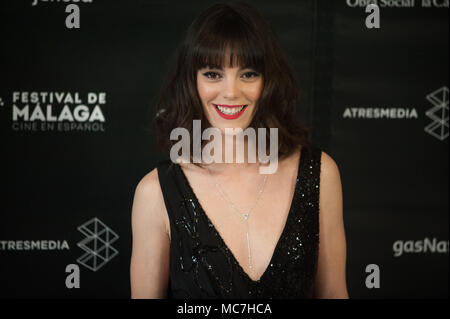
point(318, 154)
point(149, 182)
point(148, 203)
point(325, 164)
point(149, 190)
point(328, 166)
point(330, 178)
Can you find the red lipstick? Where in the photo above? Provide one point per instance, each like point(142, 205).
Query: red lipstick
point(230, 116)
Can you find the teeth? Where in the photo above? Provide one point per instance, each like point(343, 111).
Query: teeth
point(230, 110)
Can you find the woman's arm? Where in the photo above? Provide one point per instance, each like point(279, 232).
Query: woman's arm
point(149, 267)
point(330, 281)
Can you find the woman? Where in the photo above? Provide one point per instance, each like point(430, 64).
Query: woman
point(223, 230)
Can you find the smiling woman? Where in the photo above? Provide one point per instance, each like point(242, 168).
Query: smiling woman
point(221, 229)
point(231, 57)
point(229, 84)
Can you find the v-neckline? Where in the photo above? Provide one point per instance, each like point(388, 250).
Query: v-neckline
point(280, 239)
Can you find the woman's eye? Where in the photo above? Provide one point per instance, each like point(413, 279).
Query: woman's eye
point(212, 75)
point(250, 75)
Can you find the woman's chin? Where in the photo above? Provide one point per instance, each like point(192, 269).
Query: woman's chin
point(231, 129)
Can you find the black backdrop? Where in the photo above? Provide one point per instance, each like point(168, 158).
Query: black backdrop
point(376, 100)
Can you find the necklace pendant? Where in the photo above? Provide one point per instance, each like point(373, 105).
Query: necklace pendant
point(245, 216)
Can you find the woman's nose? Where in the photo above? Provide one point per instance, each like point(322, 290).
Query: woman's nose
point(231, 88)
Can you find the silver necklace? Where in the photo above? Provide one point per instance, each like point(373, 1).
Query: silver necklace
point(241, 215)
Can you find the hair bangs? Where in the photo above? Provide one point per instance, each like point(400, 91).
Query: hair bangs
point(228, 41)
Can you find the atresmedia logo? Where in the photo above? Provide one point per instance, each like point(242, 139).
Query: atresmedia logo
point(97, 246)
point(438, 113)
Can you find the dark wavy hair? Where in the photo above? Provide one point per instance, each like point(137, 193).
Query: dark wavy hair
point(239, 30)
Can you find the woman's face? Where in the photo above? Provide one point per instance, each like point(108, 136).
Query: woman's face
point(229, 95)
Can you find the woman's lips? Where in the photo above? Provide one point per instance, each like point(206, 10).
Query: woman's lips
point(224, 108)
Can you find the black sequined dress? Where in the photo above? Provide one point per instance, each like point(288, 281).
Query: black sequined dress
point(202, 266)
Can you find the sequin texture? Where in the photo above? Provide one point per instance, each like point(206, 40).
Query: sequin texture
point(202, 266)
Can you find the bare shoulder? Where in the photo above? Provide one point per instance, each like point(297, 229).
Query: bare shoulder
point(330, 186)
point(330, 279)
point(149, 265)
point(148, 204)
point(148, 187)
point(329, 167)
point(149, 181)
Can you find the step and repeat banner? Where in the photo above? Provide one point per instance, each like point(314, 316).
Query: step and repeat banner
point(80, 81)
point(389, 134)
